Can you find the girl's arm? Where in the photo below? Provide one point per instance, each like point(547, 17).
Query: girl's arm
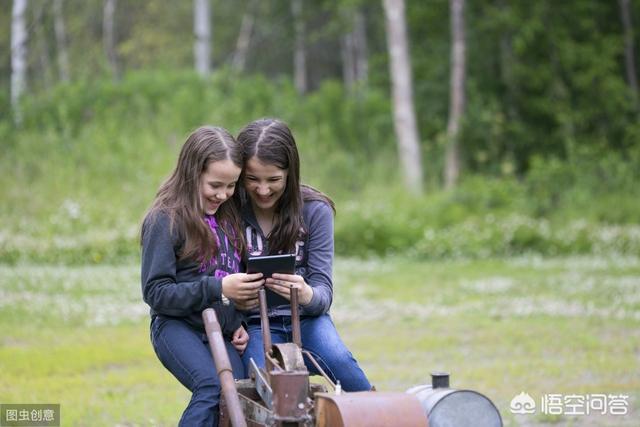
point(319, 259)
point(159, 281)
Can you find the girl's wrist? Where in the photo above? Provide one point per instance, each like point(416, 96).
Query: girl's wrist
point(222, 288)
point(308, 295)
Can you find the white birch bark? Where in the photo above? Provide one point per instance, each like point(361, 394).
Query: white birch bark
point(360, 47)
point(202, 32)
point(402, 88)
point(109, 36)
point(18, 55)
point(244, 37)
point(348, 66)
point(61, 40)
point(457, 93)
point(299, 53)
point(41, 46)
point(353, 49)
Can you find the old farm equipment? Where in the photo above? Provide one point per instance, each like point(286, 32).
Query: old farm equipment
point(282, 395)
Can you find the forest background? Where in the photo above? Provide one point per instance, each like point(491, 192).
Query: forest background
point(547, 141)
point(456, 140)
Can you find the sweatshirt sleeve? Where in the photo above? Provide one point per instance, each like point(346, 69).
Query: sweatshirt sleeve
point(319, 259)
point(160, 290)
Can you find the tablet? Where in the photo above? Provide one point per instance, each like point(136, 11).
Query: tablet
point(269, 264)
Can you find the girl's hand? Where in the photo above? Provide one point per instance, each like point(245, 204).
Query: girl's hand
point(240, 339)
point(242, 289)
point(283, 283)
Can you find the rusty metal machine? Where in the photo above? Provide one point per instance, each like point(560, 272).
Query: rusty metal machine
point(282, 395)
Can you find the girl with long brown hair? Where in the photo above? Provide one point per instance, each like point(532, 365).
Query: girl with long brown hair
point(282, 216)
point(191, 257)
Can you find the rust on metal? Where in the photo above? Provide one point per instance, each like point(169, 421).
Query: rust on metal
point(266, 329)
point(317, 365)
point(261, 384)
point(223, 366)
point(296, 336)
point(288, 356)
point(290, 396)
point(366, 409)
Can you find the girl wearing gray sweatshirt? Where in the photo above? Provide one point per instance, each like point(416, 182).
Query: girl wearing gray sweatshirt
point(191, 257)
point(282, 216)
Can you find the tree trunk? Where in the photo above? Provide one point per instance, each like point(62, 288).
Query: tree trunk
point(109, 36)
point(355, 64)
point(348, 66)
point(61, 40)
point(402, 88)
point(40, 46)
point(457, 98)
point(244, 37)
point(18, 56)
point(629, 54)
point(202, 32)
point(299, 55)
point(360, 47)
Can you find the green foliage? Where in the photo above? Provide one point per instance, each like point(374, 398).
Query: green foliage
point(484, 218)
point(91, 154)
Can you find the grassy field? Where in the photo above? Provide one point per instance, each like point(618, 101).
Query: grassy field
point(79, 336)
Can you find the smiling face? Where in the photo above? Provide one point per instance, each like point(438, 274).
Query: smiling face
point(217, 184)
point(265, 184)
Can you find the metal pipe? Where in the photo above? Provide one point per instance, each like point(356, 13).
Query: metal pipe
point(315, 363)
point(295, 319)
point(223, 367)
point(266, 329)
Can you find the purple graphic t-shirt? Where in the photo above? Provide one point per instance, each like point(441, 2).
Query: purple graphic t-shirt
point(227, 260)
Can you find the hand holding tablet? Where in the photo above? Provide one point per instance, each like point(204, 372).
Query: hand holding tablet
point(268, 265)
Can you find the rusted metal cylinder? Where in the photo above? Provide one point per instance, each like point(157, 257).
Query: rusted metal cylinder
point(368, 409)
point(445, 406)
point(223, 367)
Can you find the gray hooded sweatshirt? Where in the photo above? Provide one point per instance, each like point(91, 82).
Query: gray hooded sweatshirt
point(314, 255)
point(181, 288)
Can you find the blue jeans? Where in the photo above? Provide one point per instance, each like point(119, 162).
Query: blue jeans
point(321, 339)
point(185, 352)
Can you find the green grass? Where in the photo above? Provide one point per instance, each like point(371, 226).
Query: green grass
point(79, 336)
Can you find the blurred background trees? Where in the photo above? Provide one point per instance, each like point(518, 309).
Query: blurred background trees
point(540, 97)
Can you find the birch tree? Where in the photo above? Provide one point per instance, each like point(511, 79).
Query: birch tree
point(629, 54)
point(202, 32)
point(299, 51)
point(402, 88)
point(40, 45)
point(244, 37)
point(109, 36)
point(61, 40)
point(355, 62)
point(457, 93)
point(18, 55)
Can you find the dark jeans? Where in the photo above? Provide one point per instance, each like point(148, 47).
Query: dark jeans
point(185, 352)
point(321, 339)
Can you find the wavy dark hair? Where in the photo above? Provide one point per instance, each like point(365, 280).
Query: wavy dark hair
point(272, 142)
point(179, 196)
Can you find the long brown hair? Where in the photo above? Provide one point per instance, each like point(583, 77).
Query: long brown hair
point(179, 196)
point(272, 142)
